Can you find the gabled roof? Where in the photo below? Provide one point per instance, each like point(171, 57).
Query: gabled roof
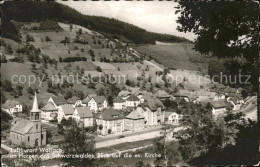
point(10, 104)
point(111, 114)
point(220, 104)
point(161, 93)
point(124, 93)
point(49, 107)
point(67, 109)
point(99, 99)
point(135, 115)
point(182, 93)
point(234, 100)
point(167, 114)
point(152, 103)
point(132, 98)
point(119, 100)
point(22, 126)
point(84, 112)
point(73, 100)
point(58, 100)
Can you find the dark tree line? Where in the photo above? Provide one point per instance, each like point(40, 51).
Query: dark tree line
point(42, 11)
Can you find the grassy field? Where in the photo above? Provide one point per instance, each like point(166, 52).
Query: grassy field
point(175, 56)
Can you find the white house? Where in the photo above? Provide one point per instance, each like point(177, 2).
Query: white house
point(220, 107)
point(172, 118)
point(84, 116)
point(153, 111)
point(219, 96)
point(235, 102)
point(97, 103)
point(87, 98)
point(119, 104)
point(65, 112)
point(132, 101)
point(110, 121)
point(49, 112)
point(12, 106)
point(75, 101)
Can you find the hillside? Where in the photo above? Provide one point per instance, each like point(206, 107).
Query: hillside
point(41, 11)
point(176, 56)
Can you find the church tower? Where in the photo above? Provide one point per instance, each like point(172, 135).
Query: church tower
point(35, 112)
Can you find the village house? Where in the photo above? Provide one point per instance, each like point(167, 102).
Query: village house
point(235, 102)
point(84, 116)
point(87, 98)
point(75, 101)
point(65, 112)
point(184, 94)
point(153, 111)
point(172, 118)
point(220, 107)
point(219, 96)
point(98, 103)
point(119, 104)
point(163, 95)
point(134, 121)
point(49, 112)
point(110, 121)
point(29, 133)
point(57, 100)
point(132, 101)
point(181, 101)
point(124, 94)
point(12, 106)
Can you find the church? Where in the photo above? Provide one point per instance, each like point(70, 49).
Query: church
point(29, 133)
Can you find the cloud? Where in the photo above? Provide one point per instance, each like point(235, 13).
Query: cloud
point(153, 16)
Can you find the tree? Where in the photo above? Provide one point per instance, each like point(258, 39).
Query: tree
point(3, 98)
point(30, 91)
point(7, 86)
point(47, 38)
point(19, 89)
point(98, 69)
point(9, 49)
point(77, 142)
point(223, 31)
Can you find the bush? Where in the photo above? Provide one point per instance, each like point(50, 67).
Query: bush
point(47, 38)
point(73, 59)
point(109, 131)
point(98, 69)
point(29, 38)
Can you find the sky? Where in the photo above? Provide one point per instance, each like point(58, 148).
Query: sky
point(153, 16)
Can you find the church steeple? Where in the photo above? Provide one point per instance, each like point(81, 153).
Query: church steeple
point(35, 112)
point(35, 104)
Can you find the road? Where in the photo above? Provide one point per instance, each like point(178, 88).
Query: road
point(126, 134)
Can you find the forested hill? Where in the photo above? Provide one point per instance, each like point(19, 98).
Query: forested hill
point(41, 11)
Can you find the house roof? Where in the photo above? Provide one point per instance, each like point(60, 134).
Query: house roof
point(135, 115)
point(84, 112)
point(49, 107)
point(179, 99)
point(182, 93)
point(10, 104)
point(152, 103)
point(99, 99)
point(67, 109)
point(73, 100)
point(22, 126)
point(118, 100)
point(132, 98)
point(111, 114)
point(220, 104)
point(124, 93)
point(234, 100)
point(161, 93)
point(58, 100)
point(167, 114)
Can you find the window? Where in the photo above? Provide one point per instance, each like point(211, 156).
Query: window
point(36, 126)
point(28, 138)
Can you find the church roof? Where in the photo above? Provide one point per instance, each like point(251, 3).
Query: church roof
point(22, 126)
